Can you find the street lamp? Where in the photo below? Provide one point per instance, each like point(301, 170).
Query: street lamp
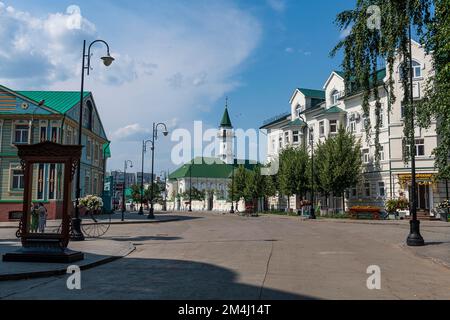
point(190, 187)
point(154, 138)
point(232, 186)
point(115, 187)
point(77, 235)
point(125, 166)
point(414, 238)
point(312, 214)
point(144, 149)
point(165, 189)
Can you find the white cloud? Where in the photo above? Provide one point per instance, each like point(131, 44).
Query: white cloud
point(277, 5)
point(172, 62)
point(289, 50)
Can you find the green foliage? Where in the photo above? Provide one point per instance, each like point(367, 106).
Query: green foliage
point(337, 163)
point(437, 98)
point(196, 194)
point(364, 47)
point(293, 174)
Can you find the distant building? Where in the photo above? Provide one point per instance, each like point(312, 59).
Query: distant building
point(24, 121)
point(209, 175)
point(147, 178)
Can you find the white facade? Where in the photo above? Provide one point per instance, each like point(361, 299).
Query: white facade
point(391, 177)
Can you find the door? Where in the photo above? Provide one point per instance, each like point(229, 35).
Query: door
point(423, 197)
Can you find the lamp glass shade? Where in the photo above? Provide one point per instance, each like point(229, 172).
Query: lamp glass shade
point(107, 60)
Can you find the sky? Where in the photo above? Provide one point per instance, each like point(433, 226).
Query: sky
point(176, 61)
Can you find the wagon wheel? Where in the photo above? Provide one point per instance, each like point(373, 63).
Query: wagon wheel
point(96, 225)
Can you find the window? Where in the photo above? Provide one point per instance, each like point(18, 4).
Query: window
point(280, 142)
point(352, 126)
point(333, 126)
point(298, 110)
point(367, 189)
point(286, 137)
point(321, 128)
point(88, 148)
point(381, 152)
point(366, 155)
point(87, 187)
point(381, 117)
point(335, 97)
point(43, 134)
point(381, 189)
point(69, 137)
point(54, 134)
point(295, 136)
point(17, 182)
point(95, 152)
point(311, 135)
point(21, 134)
point(416, 70)
point(420, 147)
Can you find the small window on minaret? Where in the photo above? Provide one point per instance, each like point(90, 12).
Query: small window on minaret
point(224, 132)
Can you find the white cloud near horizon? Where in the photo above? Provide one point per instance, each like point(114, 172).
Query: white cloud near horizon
point(178, 61)
point(277, 5)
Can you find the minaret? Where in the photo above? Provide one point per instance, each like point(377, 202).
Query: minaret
point(225, 135)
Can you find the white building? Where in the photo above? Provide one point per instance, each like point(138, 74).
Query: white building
point(328, 109)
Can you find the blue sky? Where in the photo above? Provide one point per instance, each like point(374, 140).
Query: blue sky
point(176, 60)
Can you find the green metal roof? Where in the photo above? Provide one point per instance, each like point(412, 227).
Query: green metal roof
point(107, 150)
point(312, 93)
point(59, 101)
point(297, 122)
point(203, 167)
point(226, 122)
point(334, 109)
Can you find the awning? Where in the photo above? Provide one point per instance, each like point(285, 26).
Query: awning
point(107, 150)
point(421, 179)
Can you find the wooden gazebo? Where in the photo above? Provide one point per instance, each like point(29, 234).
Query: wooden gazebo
point(47, 247)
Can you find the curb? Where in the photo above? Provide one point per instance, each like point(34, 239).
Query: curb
point(58, 272)
point(115, 222)
point(434, 260)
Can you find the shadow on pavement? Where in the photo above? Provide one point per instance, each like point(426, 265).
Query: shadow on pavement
point(141, 238)
point(141, 278)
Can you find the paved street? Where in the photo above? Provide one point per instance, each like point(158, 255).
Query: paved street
point(213, 256)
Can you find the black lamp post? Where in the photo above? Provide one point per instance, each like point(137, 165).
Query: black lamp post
point(312, 214)
point(414, 238)
point(163, 173)
point(124, 199)
point(144, 149)
point(77, 235)
point(190, 187)
point(232, 187)
point(154, 138)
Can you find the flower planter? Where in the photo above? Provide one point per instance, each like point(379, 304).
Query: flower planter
point(367, 213)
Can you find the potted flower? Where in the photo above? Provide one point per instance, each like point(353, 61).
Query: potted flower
point(443, 209)
point(92, 203)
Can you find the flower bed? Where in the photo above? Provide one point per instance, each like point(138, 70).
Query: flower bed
point(365, 212)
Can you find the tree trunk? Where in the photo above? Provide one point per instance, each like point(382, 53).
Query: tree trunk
point(343, 203)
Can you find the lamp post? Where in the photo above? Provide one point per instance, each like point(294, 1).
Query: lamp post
point(165, 189)
point(154, 138)
point(312, 214)
point(414, 238)
point(190, 188)
point(116, 196)
point(144, 149)
point(124, 199)
point(232, 187)
point(77, 235)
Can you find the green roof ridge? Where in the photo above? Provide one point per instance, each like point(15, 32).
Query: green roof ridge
point(313, 93)
point(59, 101)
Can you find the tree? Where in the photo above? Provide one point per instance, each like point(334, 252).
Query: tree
point(194, 195)
point(338, 164)
point(136, 193)
point(437, 98)
point(367, 43)
point(240, 180)
point(293, 177)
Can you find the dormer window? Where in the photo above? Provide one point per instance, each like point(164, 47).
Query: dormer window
point(416, 69)
point(298, 110)
point(334, 97)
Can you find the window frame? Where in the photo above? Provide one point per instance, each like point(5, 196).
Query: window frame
point(25, 130)
point(21, 180)
point(333, 123)
point(322, 128)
